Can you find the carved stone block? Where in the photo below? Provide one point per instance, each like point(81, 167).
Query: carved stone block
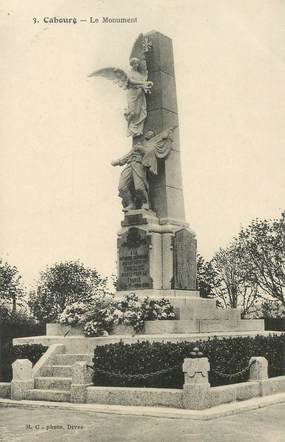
point(134, 260)
point(184, 260)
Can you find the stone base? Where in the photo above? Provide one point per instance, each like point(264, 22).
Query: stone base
point(156, 255)
point(227, 323)
point(160, 293)
point(146, 397)
point(19, 389)
point(81, 344)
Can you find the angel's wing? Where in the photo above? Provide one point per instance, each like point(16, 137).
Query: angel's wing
point(138, 48)
point(158, 147)
point(118, 76)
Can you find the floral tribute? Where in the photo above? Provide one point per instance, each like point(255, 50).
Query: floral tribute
point(104, 312)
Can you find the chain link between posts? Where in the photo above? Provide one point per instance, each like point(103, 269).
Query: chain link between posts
point(125, 376)
point(142, 376)
point(135, 376)
point(233, 375)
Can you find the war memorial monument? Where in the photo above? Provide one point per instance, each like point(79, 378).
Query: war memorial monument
point(156, 248)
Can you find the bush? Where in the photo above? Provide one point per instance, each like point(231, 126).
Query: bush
point(33, 352)
point(10, 353)
point(272, 309)
point(119, 364)
point(14, 325)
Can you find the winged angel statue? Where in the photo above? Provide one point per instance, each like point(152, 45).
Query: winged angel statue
point(133, 184)
point(135, 82)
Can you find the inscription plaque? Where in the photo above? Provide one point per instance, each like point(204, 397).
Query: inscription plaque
point(184, 260)
point(134, 269)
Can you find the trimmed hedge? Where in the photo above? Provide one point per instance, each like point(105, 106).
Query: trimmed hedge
point(33, 352)
point(14, 326)
point(119, 364)
point(274, 324)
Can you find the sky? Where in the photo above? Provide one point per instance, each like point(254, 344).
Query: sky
point(60, 130)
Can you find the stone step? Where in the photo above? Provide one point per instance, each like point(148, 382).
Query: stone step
point(70, 359)
point(64, 371)
point(48, 395)
point(52, 383)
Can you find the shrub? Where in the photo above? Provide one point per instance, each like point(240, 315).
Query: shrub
point(119, 364)
point(10, 353)
point(33, 352)
point(272, 309)
point(14, 325)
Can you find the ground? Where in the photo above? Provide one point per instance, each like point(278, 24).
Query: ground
point(23, 424)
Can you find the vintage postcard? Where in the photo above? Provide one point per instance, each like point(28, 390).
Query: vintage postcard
point(141, 164)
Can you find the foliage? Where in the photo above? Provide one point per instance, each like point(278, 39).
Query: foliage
point(10, 353)
point(233, 283)
point(250, 268)
point(105, 311)
point(33, 352)
point(11, 289)
point(263, 244)
point(205, 277)
point(272, 309)
point(63, 284)
point(226, 356)
point(14, 325)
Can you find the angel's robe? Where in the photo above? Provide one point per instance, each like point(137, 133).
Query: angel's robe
point(136, 112)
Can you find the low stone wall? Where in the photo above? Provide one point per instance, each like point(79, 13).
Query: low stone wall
point(196, 393)
point(159, 397)
point(5, 390)
point(229, 323)
point(147, 397)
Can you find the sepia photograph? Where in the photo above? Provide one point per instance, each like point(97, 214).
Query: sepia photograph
point(142, 240)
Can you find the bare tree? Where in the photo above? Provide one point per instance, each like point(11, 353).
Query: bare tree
point(232, 281)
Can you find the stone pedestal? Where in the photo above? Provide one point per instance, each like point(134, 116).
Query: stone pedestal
point(154, 255)
point(196, 385)
point(81, 379)
point(258, 369)
point(22, 379)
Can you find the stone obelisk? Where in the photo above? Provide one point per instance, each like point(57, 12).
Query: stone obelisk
point(156, 248)
point(166, 190)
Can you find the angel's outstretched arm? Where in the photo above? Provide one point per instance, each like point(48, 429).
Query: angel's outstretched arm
point(145, 84)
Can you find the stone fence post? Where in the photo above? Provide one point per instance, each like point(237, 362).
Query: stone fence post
point(81, 379)
point(22, 378)
point(196, 383)
point(259, 368)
